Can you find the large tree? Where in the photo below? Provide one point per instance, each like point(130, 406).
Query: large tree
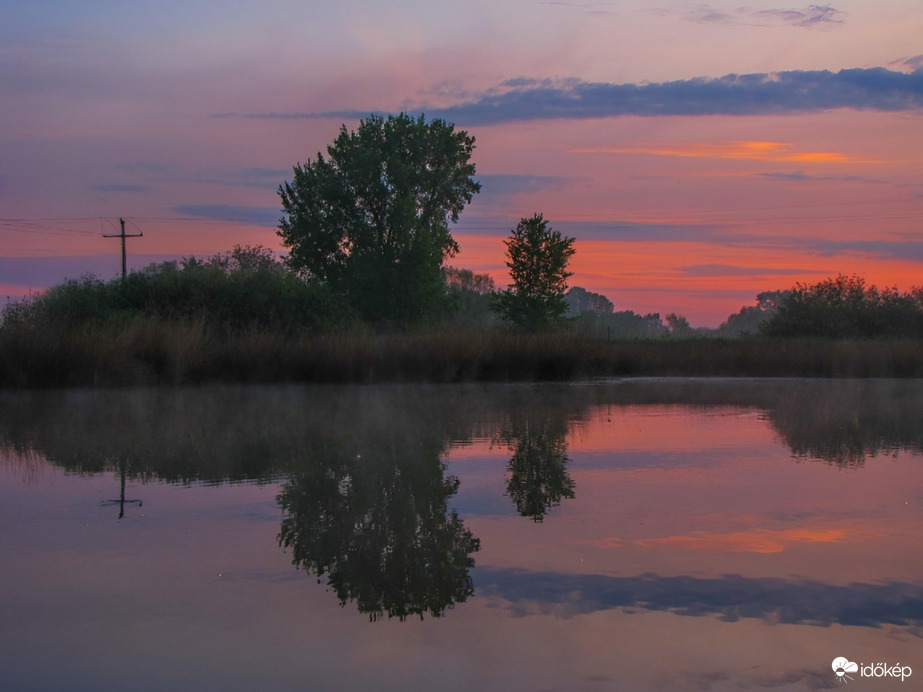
point(372, 218)
point(538, 258)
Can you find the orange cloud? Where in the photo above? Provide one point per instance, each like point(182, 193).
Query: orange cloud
point(608, 543)
point(776, 152)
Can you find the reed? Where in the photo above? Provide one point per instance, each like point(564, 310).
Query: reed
point(156, 350)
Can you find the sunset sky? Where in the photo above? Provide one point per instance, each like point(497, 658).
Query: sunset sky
point(699, 152)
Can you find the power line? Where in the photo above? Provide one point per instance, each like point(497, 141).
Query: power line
point(29, 227)
point(56, 218)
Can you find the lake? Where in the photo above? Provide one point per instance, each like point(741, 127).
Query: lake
point(642, 534)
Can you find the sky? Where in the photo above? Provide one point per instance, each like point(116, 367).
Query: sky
point(700, 153)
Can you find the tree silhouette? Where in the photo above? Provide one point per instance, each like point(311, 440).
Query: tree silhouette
point(372, 219)
point(538, 259)
point(579, 301)
point(750, 318)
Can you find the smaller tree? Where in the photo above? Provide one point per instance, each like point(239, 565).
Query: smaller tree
point(751, 318)
point(469, 294)
point(538, 258)
point(580, 301)
point(678, 325)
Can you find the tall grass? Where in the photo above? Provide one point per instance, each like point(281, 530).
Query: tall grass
point(152, 350)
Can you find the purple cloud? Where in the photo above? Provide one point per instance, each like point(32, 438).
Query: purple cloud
point(500, 185)
point(586, 7)
point(254, 216)
point(40, 272)
point(703, 270)
point(812, 16)
point(734, 94)
point(807, 177)
point(119, 187)
point(913, 64)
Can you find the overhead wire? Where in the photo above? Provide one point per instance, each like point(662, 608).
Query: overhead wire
point(29, 227)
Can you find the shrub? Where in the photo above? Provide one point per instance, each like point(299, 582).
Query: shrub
point(245, 287)
point(845, 307)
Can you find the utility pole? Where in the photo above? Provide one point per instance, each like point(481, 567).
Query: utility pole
point(123, 236)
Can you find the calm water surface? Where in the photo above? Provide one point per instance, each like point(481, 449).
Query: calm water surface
point(648, 534)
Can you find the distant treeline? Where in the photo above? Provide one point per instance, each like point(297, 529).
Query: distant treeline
point(836, 308)
point(246, 316)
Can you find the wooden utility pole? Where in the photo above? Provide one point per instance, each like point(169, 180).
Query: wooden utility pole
point(123, 236)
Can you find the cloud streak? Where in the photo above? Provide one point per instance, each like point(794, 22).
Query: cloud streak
point(773, 93)
point(624, 231)
point(911, 64)
point(517, 183)
point(39, 272)
point(723, 234)
point(585, 7)
point(254, 216)
point(801, 176)
point(615, 231)
point(149, 173)
point(727, 270)
point(811, 17)
point(499, 186)
point(730, 597)
point(119, 187)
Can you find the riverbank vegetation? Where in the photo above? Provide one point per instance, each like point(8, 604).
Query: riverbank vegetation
point(245, 316)
point(150, 348)
point(365, 295)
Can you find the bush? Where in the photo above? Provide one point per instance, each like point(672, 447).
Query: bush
point(845, 307)
point(243, 288)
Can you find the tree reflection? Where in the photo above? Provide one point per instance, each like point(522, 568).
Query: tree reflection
point(374, 519)
point(847, 422)
point(226, 433)
point(538, 478)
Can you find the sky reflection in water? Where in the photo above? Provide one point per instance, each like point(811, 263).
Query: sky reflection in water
point(677, 533)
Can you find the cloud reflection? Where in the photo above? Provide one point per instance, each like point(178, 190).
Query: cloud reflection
point(730, 597)
point(763, 541)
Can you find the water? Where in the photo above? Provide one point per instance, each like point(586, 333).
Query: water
point(647, 534)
